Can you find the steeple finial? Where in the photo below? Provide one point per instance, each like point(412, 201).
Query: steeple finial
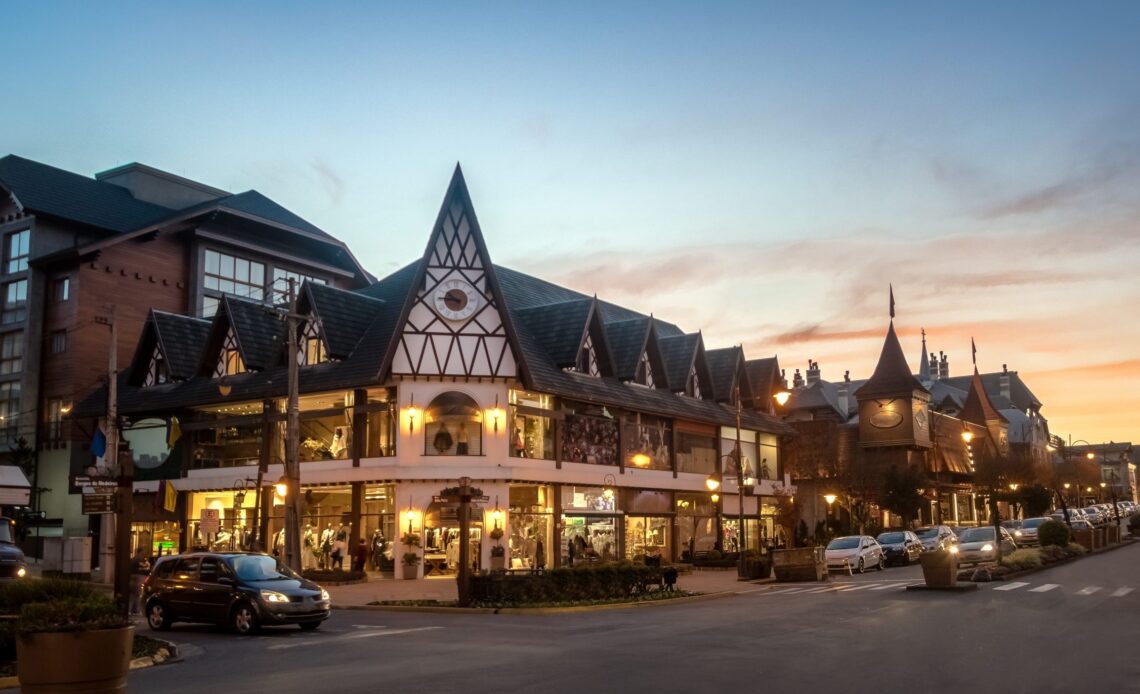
point(892, 301)
point(974, 353)
point(924, 363)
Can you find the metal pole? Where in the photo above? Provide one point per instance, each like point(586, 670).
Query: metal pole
point(740, 533)
point(292, 436)
point(464, 587)
point(122, 546)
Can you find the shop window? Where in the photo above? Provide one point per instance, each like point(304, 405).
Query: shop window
point(696, 452)
point(382, 422)
point(648, 443)
point(12, 353)
point(453, 425)
point(230, 362)
point(15, 302)
point(157, 372)
point(578, 498)
point(16, 251)
point(747, 449)
point(768, 452)
point(648, 538)
point(235, 445)
point(588, 539)
point(589, 439)
point(532, 426)
point(326, 426)
point(61, 290)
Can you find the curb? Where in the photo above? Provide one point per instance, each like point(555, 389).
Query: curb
point(1068, 560)
point(537, 610)
point(142, 663)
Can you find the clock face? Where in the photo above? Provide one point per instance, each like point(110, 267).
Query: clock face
point(920, 419)
point(456, 300)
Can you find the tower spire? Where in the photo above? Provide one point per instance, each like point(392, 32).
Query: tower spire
point(924, 363)
point(892, 301)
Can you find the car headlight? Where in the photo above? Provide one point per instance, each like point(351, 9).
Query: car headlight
point(953, 549)
point(21, 572)
point(987, 547)
point(324, 594)
point(274, 596)
point(1017, 533)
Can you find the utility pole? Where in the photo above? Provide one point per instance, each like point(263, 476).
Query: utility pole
point(117, 561)
point(292, 441)
point(739, 490)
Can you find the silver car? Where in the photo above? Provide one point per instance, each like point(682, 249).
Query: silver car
point(1027, 533)
point(936, 537)
point(855, 553)
point(976, 545)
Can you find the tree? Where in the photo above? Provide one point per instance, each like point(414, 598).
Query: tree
point(900, 491)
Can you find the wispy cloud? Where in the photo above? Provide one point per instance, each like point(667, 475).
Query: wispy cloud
point(330, 181)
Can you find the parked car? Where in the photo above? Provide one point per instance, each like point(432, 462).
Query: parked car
point(936, 537)
point(1028, 531)
point(855, 551)
point(976, 545)
point(1094, 515)
point(244, 590)
point(901, 546)
point(12, 562)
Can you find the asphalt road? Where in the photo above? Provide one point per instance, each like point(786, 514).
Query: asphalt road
point(1069, 629)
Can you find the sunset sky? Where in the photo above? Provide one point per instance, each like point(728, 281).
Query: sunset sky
point(758, 172)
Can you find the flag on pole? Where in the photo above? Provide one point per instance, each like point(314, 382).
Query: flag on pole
point(99, 443)
point(174, 434)
point(169, 496)
point(892, 301)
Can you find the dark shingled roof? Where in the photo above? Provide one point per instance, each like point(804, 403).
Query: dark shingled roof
point(892, 375)
point(628, 341)
point(181, 338)
point(679, 351)
point(54, 192)
point(1019, 393)
point(558, 328)
point(762, 373)
point(978, 408)
point(254, 203)
point(260, 334)
point(723, 364)
point(344, 315)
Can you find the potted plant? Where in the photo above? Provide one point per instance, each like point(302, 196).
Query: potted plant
point(498, 552)
point(78, 643)
point(411, 558)
point(940, 567)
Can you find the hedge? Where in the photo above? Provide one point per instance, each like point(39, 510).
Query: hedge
point(1053, 533)
point(608, 581)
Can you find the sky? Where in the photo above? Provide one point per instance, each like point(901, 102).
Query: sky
point(757, 171)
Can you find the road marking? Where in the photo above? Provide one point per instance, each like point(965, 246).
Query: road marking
point(1121, 592)
point(822, 589)
point(1012, 586)
point(1088, 591)
point(890, 585)
point(1045, 588)
point(745, 592)
point(361, 635)
point(865, 586)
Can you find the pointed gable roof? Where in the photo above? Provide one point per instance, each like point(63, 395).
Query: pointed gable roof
point(892, 375)
point(559, 328)
point(179, 338)
point(344, 315)
point(978, 409)
point(628, 339)
point(259, 333)
point(924, 362)
point(726, 365)
point(763, 380)
point(455, 248)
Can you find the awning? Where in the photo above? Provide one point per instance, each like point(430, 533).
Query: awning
point(14, 487)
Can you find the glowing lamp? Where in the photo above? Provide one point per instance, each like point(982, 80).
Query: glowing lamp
point(967, 436)
point(782, 397)
point(640, 460)
point(712, 483)
point(1090, 455)
point(830, 498)
point(715, 498)
point(282, 487)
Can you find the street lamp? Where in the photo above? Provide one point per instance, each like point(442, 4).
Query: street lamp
point(782, 397)
point(830, 499)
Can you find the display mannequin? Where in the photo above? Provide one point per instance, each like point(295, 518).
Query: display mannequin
point(326, 546)
point(308, 547)
point(279, 543)
point(461, 439)
point(378, 543)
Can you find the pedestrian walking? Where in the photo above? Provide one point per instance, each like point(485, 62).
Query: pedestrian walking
point(360, 556)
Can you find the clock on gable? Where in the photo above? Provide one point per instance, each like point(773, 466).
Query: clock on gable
point(455, 299)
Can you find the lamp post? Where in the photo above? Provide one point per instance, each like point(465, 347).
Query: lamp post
point(712, 483)
point(830, 499)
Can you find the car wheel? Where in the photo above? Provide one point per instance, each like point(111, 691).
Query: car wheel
point(309, 626)
point(860, 567)
point(156, 617)
point(882, 563)
point(244, 619)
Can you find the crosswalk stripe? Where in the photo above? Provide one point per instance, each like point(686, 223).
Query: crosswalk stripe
point(1012, 586)
point(792, 591)
point(865, 586)
point(1088, 591)
point(1045, 588)
point(1121, 592)
point(889, 585)
point(818, 590)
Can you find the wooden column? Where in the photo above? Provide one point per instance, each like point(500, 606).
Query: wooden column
point(555, 551)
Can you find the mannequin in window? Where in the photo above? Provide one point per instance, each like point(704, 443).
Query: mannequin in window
point(519, 442)
point(442, 442)
point(308, 548)
point(338, 445)
point(378, 544)
point(461, 439)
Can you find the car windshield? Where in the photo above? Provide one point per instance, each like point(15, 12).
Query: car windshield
point(844, 543)
point(1033, 522)
point(977, 534)
point(926, 533)
point(891, 538)
point(259, 568)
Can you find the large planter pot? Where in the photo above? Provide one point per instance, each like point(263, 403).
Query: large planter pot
point(754, 569)
point(1084, 538)
point(940, 568)
point(83, 661)
point(411, 571)
point(803, 564)
point(1113, 533)
point(498, 563)
point(1100, 535)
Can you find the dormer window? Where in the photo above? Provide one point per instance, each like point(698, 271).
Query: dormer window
point(587, 359)
point(157, 372)
point(693, 383)
point(644, 375)
point(230, 362)
point(312, 348)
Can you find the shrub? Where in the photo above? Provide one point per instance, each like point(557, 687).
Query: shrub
point(1051, 553)
point(411, 539)
point(1023, 559)
point(608, 581)
point(1074, 549)
point(1053, 533)
point(411, 559)
point(15, 594)
point(71, 614)
point(1134, 524)
point(497, 534)
point(714, 555)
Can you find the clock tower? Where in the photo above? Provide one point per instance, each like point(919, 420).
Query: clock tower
point(894, 407)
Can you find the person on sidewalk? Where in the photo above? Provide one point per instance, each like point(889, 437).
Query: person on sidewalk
point(360, 556)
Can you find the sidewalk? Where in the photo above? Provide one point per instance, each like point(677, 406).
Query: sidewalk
point(444, 588)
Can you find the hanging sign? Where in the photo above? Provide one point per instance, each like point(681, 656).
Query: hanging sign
point(210, 522)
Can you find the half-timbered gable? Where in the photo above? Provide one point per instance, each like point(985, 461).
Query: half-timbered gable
point(686, 366)
point(455, 322)
point(168, 349)
point(729, 375)
point(245, 336)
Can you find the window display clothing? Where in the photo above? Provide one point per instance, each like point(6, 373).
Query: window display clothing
point(308, 548)
point(378, 546)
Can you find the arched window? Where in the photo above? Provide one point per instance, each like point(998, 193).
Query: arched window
point(453, 425)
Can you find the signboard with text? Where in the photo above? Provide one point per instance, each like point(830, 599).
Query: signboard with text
point(94, 504)
point(210, 522)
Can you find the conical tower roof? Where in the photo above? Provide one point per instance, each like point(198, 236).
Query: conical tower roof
point(978, 409)
point(892, 377)
point(924, 363)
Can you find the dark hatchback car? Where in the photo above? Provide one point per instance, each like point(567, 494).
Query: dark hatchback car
point(244, 590)
point(12, 563)
point(900, 546)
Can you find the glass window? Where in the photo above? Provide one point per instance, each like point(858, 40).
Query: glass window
point(54, 419)
point(157, 372)
point(588, 539)
point(187, 569)
point(16, 251)
point(769, 451)
point(9, 409)
point(648, 537)
point(587, 439)
point(326, 426)
point(531, 526)
point(209, 306)
point(748, 449)
point(61, 289)
point(312, 347)
point(648, 441)
point(229, 361)
point(588, 498)
point(58, 341)
point(227, 274)
point(15, 308)
point(381, 423)
point(532, 429)
point(453, 425)
point(280, 291)
point(12, 353)
point(210, 570)
point(696, 453)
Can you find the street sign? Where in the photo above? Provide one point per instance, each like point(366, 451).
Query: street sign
point(94, 504)
point(210, 522)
